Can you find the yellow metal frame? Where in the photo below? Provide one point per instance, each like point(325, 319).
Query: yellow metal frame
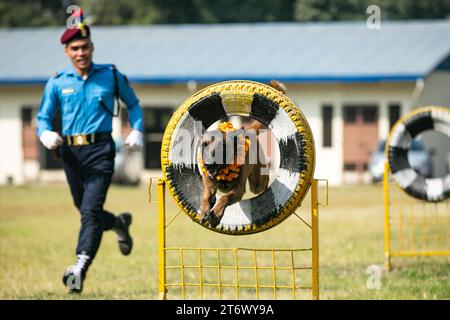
point(256, 266)
point(409, 218)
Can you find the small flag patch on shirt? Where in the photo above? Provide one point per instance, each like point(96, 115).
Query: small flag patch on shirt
point(68, 90)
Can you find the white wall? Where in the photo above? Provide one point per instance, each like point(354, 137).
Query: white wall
point(163, 95)
point(309, 98)
point(10, 145)
point(436, 90)
point(12, 164)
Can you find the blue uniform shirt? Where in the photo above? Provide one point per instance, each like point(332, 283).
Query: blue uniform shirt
point(79, 101)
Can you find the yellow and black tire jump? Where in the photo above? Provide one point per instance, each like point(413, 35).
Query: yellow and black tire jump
point(249, 99)
point(402, 134)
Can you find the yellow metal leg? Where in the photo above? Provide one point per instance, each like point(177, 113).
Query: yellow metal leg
point(162, 239)
point(387, 240)
point(315, 239)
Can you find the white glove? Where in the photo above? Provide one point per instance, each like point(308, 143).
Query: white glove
point(134, 140)
point(50, 139)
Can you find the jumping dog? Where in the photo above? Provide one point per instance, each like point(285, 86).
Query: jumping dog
point(229, 173)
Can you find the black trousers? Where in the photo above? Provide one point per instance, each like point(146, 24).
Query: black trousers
point(89, 170)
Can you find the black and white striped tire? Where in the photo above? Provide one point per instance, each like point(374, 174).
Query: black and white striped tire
point(397, 147)
point(287, 124)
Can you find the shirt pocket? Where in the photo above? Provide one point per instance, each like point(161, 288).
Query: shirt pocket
point(69, 102)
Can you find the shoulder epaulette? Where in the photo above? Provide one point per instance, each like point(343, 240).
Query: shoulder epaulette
point(105, 66)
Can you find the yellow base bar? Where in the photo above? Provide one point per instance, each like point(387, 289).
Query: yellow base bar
point(252, 265)
point(419, 253)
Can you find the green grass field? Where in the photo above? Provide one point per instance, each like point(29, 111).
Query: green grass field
point(39, 226)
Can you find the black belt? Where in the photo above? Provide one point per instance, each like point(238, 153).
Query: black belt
point(85, 139)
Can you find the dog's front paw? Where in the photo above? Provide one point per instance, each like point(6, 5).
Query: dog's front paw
point(201, 214)
point(213, 221)
point(209, 218)
point(204, 217)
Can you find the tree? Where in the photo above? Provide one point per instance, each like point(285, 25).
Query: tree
point(328, 10)
point(190, 11)
point(29, 13)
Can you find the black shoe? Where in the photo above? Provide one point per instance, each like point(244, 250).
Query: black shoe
point(123, 222)
point(74, 276)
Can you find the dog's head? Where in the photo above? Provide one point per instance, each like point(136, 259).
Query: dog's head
point(215, 154)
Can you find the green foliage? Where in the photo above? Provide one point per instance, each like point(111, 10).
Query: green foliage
point(29, 13)
point(328, 10)
point(189, 11)
point(325, 10)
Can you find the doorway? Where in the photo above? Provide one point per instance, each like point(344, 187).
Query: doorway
point(360, 139)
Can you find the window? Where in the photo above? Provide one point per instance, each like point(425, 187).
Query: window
point(155, 121)
point(29, 138)
point(394, 114)
point(350, 114)
point(32, 148)
point(48, 158)
point(370, 114)
point(350, 166)
point(327, 126)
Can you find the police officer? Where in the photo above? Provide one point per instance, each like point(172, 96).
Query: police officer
point(84, 93)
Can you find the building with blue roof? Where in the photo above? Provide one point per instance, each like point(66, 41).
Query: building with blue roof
point(351, 82)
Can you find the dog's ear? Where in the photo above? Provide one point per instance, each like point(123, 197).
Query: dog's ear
point(255, 125)
point(280, 86)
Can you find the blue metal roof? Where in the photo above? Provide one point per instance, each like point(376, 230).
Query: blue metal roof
point(291, 52)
